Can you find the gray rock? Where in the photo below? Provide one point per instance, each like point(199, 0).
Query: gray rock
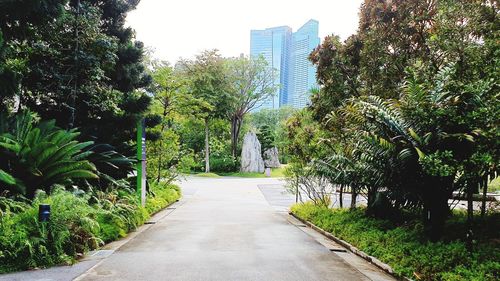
point(271, 159)
point(251, 158)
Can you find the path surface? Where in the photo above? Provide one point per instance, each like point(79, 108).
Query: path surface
point(225, 229)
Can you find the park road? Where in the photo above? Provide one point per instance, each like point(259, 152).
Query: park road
point(223, 229)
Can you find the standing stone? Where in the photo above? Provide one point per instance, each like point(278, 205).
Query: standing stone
point(271, 159)
point(251, 158)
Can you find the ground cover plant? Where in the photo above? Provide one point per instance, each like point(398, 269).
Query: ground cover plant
point(405, 248)
point(79, 222)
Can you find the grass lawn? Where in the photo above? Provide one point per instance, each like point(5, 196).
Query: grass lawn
point(405, 248)
point(494, 185)
point(275, 173)
point(207, 175)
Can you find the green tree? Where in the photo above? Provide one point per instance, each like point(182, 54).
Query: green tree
point(208, 82)
point(171, 102)
point(251, 82)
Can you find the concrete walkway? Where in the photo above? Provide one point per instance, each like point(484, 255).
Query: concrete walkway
point(224, 229)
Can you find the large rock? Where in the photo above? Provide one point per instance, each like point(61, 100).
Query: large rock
point(271, 159)
point(251, 158)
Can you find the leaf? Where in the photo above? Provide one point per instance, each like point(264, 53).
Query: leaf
point(7, 178)
point(421, 155)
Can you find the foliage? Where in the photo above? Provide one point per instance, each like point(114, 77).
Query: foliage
point(251, 82)
point(74, 62)
point(407, 107)
point(39, 155)
point(171, 102)
point(221, 160)
point(161, 195)
point(404, 247)
point(27, 243)
point(207, 83)
point(79, 222)
point(274, 120)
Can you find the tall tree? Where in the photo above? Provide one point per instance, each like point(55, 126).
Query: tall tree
point(170, 99)
point(79, 65)
point(251, 82)
point(208, 82)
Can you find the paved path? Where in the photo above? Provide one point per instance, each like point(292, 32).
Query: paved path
point(222, 229)
point(225, 230)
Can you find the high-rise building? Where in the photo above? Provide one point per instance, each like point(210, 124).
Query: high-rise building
point(302, 71)
point(273, 44)
point(287, 53)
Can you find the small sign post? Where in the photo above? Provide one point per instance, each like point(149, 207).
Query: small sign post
point(141, 161)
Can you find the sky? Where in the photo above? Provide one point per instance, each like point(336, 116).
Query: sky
point(183, 28)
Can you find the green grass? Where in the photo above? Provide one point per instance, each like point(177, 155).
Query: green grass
point(275, 173)
point(494, 185)
point(207, 175)
point(405, 248)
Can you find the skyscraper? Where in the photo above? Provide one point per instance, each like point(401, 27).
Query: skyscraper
point(273, 44)
point(302, 72)
point(287, 53)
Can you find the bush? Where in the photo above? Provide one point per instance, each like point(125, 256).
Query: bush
point(27, 243)
point(37, 155)
point(223, 164)
point(79, 222)
point(161, 195)
point(406, 250)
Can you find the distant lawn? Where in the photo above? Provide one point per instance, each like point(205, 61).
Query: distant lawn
point(275, 173)
point(494, 185)
point(207, 175)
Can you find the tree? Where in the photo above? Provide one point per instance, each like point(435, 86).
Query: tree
point(407, 105)
point(252, 82)
point(77, 64)
point(170, 99)
point(208, 82)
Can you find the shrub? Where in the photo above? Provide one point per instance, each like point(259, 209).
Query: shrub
point(38, 155)
point(27, 243)
point(223, 164)
point(79, 222)
point(405, 248)
point(161, 195)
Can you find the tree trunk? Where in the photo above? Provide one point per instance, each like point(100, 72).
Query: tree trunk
point(372, 193)
point(354, 195)
point(470, 214)
point(485, 190)
point(235, 133)
point(341, 196)
point(207, 148)
point(159, 163)
point(160, 152)
point(436, 193)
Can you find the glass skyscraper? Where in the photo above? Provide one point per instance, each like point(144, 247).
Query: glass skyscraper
point(274, 45)
point(287, 53)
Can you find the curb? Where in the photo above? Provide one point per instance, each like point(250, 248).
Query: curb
point(383, 266)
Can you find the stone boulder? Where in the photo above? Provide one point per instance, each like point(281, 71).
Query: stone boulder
point(251, 158)
point(271, 159)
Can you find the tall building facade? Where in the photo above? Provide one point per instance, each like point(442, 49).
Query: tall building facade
point(287, 53)
point(274, 45)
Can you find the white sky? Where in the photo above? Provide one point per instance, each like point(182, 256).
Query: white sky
point(183, 28)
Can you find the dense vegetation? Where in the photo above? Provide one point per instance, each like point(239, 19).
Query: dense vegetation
point(406, 117)
point(403, 246)
point(407, 113)
point(73, 87)
point(79, 222)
